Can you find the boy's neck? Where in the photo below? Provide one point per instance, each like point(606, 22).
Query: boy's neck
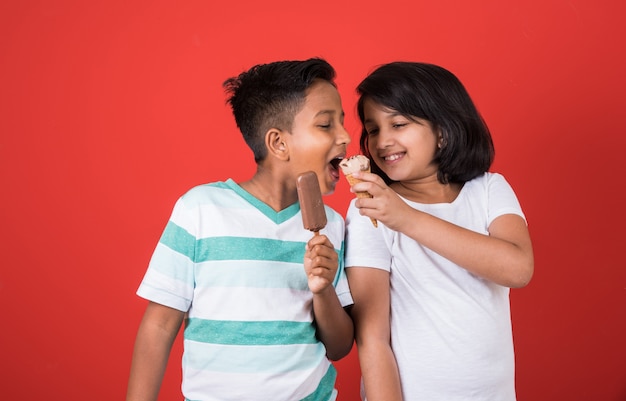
point(272, 189)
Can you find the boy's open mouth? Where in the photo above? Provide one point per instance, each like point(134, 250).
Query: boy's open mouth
point(334, 167)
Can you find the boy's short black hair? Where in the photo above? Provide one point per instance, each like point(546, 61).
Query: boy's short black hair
point(432, 93)
point(270, 95)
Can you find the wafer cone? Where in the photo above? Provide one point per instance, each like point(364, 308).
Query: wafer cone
point(352, 181)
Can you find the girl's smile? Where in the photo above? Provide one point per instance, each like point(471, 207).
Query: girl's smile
point(404, 148)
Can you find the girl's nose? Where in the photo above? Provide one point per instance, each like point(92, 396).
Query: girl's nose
point(383, 139)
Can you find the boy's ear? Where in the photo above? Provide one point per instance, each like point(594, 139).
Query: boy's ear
point(276, 144)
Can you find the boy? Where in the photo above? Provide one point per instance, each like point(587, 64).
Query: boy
point(264, 298)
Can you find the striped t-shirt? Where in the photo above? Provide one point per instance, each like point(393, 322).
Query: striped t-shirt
point(236, 266)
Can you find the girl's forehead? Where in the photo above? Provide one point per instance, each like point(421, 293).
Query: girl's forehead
point(371, 106)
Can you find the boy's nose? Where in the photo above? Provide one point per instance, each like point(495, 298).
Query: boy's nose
point(343, 136)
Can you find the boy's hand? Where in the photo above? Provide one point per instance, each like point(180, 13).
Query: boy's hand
point(320, 263)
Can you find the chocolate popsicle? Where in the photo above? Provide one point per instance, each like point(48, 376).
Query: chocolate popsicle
point(311, 204)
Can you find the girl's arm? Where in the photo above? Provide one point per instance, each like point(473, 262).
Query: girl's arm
point(156, 334)
point(334, 325)
point(505, 256)
point(370, 312)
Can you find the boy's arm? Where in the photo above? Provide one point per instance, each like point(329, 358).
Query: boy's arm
point(156, 334)
point(334, 325)
point(370, 312)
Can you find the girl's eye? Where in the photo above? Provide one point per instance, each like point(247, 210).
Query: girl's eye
point(372, 131)
point(399, 125)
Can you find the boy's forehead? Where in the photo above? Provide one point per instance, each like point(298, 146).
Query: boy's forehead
point(323, 96)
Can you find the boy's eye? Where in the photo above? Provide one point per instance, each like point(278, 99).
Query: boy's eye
point(324, 125)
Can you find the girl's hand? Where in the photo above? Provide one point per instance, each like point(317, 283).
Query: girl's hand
point(320, 263)
point(385, 204)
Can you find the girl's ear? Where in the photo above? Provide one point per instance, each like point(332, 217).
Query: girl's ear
point(441, 141)
point(276, 144)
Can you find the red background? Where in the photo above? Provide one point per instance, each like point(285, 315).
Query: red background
point(110, 110)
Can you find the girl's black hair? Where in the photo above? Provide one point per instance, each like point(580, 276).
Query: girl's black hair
point(432, 93)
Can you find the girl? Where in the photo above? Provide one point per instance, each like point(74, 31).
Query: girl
point(431, 283)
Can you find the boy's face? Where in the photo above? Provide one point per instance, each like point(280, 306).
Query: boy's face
point(318, 139)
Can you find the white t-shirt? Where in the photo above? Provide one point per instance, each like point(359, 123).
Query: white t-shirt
point(450, 330)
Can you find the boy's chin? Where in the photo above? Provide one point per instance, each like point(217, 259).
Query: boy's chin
point(328, 189)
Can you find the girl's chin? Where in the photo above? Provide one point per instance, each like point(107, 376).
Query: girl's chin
point(395, 177)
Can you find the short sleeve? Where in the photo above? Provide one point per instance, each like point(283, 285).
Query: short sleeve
point(502, 198)
point(169, 279)
point(366, 245)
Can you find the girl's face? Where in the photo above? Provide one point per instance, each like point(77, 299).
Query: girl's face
point(403, 148)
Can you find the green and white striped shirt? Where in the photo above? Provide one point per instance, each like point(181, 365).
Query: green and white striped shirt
point(236, 266)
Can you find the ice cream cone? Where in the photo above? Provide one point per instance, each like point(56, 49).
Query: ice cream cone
point(351, 165)
point(352, 181)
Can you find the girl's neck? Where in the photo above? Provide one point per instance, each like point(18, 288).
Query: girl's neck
point(427, 192)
